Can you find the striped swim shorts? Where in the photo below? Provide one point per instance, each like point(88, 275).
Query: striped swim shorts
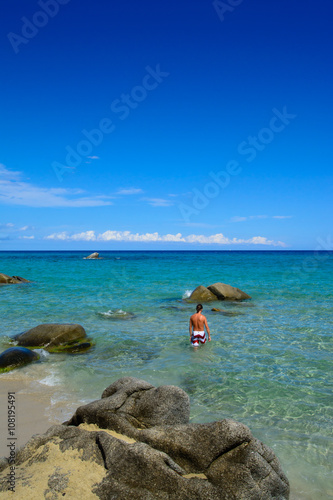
point(198, 337)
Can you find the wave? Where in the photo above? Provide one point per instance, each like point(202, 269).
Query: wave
point(187, 294)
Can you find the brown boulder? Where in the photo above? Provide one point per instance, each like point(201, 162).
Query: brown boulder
point(51, 334)
point(227, 292)
point(5, 279)
point(202, 294)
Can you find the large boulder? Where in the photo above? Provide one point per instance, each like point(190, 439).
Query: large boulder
point(5, 279)
point(158, 454)
point(227, 292)
point(55, 337)
point(202, 294)
point(94, 255)
point(134, 402)
point(16, 356)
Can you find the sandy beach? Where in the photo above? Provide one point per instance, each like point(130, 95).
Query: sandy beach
point(30, 412)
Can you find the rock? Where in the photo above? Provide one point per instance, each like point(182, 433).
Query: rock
point(5, 279)
point(227, 292)
point(16, 356)
point(167, 458)
point(52, 336)
point(202, 294)
point(139, 403)
point(94, 255)
point(227, 313)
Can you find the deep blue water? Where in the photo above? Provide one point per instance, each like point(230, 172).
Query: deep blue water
point(269, 364)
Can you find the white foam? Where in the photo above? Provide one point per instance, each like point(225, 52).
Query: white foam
point(187, 294)
point(51, 380)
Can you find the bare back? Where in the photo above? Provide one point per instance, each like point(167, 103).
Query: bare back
point(198, 322)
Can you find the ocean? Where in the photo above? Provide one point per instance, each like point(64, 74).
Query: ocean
point(269, 364)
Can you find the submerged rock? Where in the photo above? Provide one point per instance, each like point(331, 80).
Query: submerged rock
point(117, 314)
point(5, 279)
point(146, 450)
point(16, 356)
point(94, 255)
point(55, 337)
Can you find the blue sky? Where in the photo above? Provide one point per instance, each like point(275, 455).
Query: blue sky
point(186, 125)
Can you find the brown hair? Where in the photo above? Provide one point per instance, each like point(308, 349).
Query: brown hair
point(199, 307)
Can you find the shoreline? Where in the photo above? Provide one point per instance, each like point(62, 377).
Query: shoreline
point(30, 412)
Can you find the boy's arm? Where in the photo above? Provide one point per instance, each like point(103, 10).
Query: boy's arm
point(208, 331)
point(190, 328)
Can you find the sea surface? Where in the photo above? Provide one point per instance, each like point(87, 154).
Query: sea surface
point(269, 364)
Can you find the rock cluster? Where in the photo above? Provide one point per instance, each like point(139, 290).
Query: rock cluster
point(217, 291)
point(6, 280)
point(53, 337)
point(137, 442)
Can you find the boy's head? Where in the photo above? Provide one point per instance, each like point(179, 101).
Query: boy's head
point(199, 308)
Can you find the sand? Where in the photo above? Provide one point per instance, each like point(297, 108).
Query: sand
point(30, 412)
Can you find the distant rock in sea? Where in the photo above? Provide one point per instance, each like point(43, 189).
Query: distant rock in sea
point(94, 255)
point(55, 337)
point(218, 291)
point(16, 356)
point(5, 279)
point(137, 443)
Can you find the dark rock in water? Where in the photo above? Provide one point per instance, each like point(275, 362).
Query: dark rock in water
point(51, 335)
point(158, 454)
point(227, 313)
point(227, 292)
point(202, 294)
point(72, 348)
point(94, 255)
point(5, 279)
point(16, 356)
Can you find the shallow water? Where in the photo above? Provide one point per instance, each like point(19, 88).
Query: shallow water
point(268, 365)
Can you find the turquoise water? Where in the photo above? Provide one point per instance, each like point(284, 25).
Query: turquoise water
point(269, 364)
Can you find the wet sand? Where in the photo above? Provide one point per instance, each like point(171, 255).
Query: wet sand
point(30, 413)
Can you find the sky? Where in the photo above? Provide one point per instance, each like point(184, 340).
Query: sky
point(193, 125)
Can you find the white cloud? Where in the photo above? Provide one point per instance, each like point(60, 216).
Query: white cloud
point(14, 191)
point(214, 239)
point(158, 202)
point(238, 219)
point(6, 226)
point(253, 217)
point(27, 237)
point(129, 191)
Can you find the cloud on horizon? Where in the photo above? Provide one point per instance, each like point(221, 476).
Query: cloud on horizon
point(214, 239)
point(14, 191)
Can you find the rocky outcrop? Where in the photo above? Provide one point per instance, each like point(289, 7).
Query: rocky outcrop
point(202, 294)
point(16, 356)
point(227, 292)
point(158, 455)
point(5, 279)
point(94, 255)
point(218, 291)
point(55, 337)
